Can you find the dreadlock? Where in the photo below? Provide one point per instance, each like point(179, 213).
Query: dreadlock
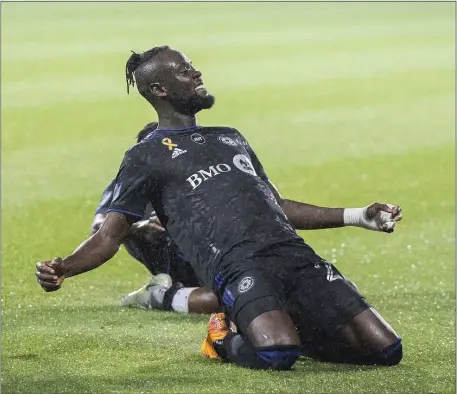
point(136, 59)
point(149, 128)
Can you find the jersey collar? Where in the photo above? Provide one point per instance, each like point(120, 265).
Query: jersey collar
point(177, 130)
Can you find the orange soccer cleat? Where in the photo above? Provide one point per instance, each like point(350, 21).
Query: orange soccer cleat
point(217, 330)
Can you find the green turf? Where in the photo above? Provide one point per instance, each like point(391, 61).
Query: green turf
point(345, 104)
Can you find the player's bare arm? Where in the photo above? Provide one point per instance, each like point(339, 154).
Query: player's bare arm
point(377, 217)
point(92, 253)
point(143, 228)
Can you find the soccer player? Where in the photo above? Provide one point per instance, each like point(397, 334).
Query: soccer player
point(211, 192)
point(174, 285)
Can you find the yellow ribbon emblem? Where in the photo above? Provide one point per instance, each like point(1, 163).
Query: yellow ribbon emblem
point(167, 142)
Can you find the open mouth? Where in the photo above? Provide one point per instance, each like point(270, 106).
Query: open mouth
point(201, 88)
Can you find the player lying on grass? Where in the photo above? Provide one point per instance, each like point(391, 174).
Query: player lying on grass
point(174, 285)
point(211, 193)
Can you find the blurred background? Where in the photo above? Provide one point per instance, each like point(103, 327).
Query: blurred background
point(344, 103)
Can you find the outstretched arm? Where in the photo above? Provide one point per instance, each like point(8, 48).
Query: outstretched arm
point(100, 247)
point(377, 217)
point(127, 203)
point(144, 229)
point(92, 253)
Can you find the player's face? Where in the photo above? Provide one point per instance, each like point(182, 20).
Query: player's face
point(183, 85)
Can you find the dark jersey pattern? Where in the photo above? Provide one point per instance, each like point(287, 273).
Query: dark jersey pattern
point(208, 188)
point(107, 197)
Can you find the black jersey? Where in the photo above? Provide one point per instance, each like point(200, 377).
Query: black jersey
point(208, 188)
point(107, 197)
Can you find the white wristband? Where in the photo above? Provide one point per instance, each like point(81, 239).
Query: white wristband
point(353, 216)
point(357, 217)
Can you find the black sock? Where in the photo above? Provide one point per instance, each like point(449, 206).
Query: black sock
point(237, 349)
point(221, 344)
point(169, 294)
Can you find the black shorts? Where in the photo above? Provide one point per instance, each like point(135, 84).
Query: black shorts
point(290, 277)
point(162, 256)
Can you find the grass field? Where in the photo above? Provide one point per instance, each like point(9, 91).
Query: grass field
point(345, 104)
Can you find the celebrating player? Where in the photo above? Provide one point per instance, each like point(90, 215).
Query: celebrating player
point(174, 285)
point(211, 192)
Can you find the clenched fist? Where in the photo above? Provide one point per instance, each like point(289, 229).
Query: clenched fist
point(50, 274)
point(376, 217)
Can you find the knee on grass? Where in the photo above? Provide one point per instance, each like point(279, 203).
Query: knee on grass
point(279, 357)
point(393, 354)
point(239, 350)
point(389, 356)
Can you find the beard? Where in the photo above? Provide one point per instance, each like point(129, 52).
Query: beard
point(192, 104)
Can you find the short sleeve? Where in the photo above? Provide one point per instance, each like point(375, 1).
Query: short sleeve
point(133, 185)
point(254, 159)
point(105, 200)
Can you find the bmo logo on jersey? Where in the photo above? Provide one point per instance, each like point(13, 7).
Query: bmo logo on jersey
point(202, 175)
point(241, 162)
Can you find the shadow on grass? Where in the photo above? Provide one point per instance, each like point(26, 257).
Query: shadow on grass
point(304, 364)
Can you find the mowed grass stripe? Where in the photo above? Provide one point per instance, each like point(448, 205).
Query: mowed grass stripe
point(303, 69)
point(386, 95)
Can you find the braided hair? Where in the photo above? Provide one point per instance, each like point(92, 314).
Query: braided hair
point(136, 60)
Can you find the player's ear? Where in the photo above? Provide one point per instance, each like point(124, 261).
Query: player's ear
point(157, 90)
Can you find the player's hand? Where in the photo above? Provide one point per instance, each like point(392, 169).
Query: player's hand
point(148, 229)
point(154, 224)
point(151, 225)
point(50, 274)
point(381, 217)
